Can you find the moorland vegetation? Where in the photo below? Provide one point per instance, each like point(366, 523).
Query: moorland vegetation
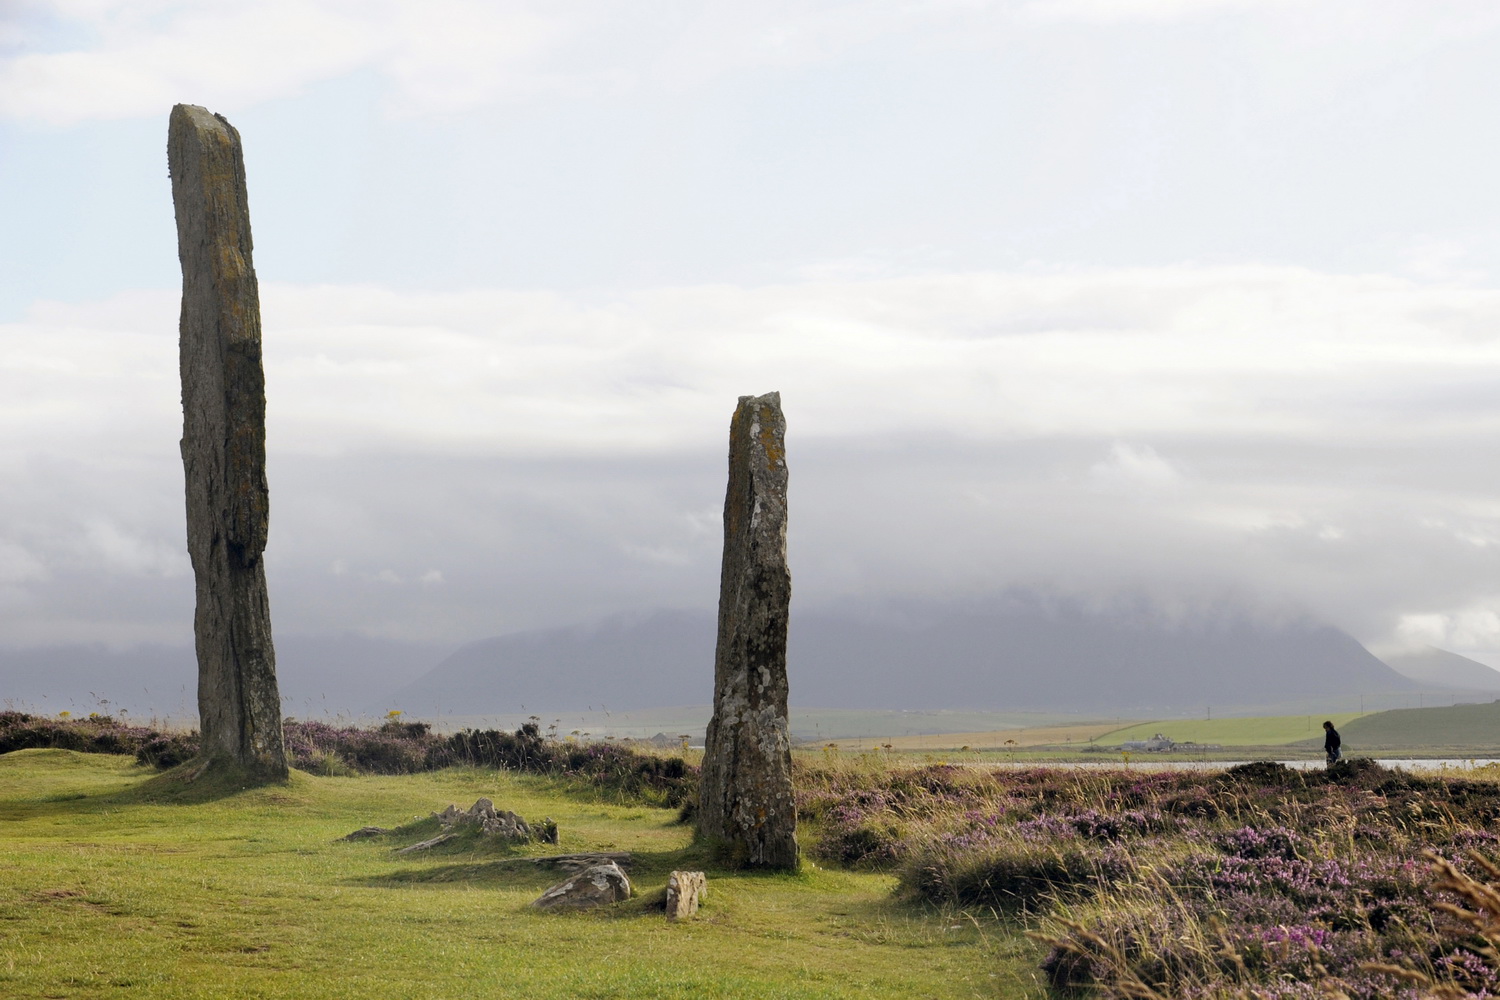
point(1256, 881)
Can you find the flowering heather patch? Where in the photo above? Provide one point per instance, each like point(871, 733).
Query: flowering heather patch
point(94, 734)
point(1259, 881)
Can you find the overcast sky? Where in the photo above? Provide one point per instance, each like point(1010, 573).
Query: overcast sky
point(1196, 299)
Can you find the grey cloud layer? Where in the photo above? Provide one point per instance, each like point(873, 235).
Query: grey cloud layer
point(451, 466)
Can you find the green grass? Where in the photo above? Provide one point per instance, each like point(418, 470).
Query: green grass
point(1267, 730)
point(115, 883)
point(1466, 726)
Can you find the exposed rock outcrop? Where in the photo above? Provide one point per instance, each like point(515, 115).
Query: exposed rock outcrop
point(499, 823)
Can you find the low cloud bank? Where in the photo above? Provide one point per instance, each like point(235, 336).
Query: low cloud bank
point(446, 467)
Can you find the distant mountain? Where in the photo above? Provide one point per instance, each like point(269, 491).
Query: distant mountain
point(1437, 667)
point(630, 662)
point(318, 675)
point(1019, 653)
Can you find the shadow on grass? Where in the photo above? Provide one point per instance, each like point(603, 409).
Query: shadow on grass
point(195, 783)
point(187, 784)
point(533, 871)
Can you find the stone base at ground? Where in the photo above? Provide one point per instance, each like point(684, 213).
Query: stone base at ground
point(597, 885)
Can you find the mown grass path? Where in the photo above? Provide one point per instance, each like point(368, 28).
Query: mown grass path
point(116, 884)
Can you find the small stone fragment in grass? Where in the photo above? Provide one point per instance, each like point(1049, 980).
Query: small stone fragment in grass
point(684, 892)
point(424, 845)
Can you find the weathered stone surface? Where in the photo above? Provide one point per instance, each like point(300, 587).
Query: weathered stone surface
point(223, 446)
point(685, 890)
point(366, 832)
point(745, 790)
point(499, 823)
point(596, 885)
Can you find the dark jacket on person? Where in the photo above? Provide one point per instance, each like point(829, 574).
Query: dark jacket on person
point(1331, 741)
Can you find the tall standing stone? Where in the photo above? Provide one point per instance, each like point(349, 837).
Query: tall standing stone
point(224, 446)
point(745, 799)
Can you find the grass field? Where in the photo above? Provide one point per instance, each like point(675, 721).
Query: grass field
point(1074, 736)
point(1270, 730)
point(1074, 733)
point(114, 883)
point(1462, 726)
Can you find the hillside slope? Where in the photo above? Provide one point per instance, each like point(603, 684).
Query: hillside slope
point(1469, 726)
point(1431, 666)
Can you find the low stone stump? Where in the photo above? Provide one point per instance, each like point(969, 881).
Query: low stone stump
point(685, 890)
point(596, 885)
point(501, 823)
point(498, 824)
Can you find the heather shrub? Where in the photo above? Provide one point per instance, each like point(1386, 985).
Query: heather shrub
point(1011, 872)
point(390, 748)
point(1258, 881)
point(167, 750)
point(393, 747)
point(94, 734)
point(607, 767)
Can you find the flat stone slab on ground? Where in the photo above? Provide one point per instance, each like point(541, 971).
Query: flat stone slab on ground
point(441, 838)
point(597, 885)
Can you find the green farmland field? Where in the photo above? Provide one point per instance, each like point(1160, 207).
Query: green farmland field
point(1269, 730)
point(115, 883)
point(1462, 726)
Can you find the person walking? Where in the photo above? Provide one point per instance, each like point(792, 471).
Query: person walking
point(1332, 745)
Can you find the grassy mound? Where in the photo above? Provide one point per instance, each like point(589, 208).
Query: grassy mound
point(1470, 726)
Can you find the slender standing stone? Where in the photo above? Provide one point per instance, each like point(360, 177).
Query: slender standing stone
point(745, 799)
point(224, 446)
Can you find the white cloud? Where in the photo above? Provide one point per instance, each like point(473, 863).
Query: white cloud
point(1475, 626)
point(1134, 469)
point(1133, 10)
point(124, 58)
point(1132, 354)
point(17, 565)
point(1301, 437)
point(137, 59)
point(120, 551)
point(129, 57)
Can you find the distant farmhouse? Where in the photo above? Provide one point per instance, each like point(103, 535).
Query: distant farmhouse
point(1160, 743)
point(1157, 742)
